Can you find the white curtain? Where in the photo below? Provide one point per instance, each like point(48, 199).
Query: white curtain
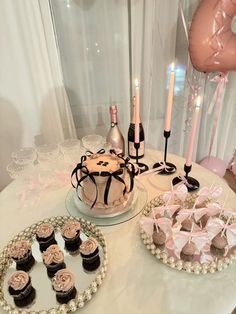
point(93, 42)
point(33, 104)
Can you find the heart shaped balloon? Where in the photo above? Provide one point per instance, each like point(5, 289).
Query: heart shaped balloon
point(212, 43)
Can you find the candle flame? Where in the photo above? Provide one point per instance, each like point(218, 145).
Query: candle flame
point(136, 82)
point(172, 67)
point(198, 102)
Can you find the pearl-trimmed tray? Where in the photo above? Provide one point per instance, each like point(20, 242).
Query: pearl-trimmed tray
point(91, 282)
point(175, 263)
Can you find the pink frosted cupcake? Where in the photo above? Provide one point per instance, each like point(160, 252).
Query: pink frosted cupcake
point(45, 236)
point(21, 253)
point(64, 284)
point(20, 287)
point(53, 258)
point(71, 234)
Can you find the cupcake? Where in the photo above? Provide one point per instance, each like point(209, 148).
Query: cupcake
point(71, 234)
point(21, 253)
point(53, 258)
point(188, 251)
point(90, 254)
point(45, 236)
point(218, 245)
point(64, 284)
point(20, 287)
point(159, 238)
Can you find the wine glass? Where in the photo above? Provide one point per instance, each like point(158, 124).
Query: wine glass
point(25, 156)
point(15, 170)
point(93, 142)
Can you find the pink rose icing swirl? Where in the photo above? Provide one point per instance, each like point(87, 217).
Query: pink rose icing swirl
point(70, 229)
point(88, 246)
point(44, 230)
point(20, 248)
point(63, 280)
point(53, 254)
point(18, 280)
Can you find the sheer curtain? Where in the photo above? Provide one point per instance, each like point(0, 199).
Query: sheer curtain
point(94, 47)
point(33, 104)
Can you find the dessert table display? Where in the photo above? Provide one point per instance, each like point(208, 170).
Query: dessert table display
point(136, 282)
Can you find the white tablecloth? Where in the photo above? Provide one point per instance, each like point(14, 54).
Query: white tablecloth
point(136, 282)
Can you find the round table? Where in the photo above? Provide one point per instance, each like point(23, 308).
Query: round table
point(136, 282)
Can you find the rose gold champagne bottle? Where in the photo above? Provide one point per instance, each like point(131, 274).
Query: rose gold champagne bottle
point(114, 135)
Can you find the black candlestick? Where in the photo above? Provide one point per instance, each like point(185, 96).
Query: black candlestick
point(169, 167)
point(141, 167)
point(192, 184)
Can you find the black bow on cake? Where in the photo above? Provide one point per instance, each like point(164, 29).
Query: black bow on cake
point(111, 175)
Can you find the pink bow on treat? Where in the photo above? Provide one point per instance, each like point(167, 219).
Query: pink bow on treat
point(229, 211)
point(215, 226)
point(183, 181)
point(148, 223)
point(211, 209)
point(169, 210)
point(205, 192)
point(187, 214)
point(180, 192)
point(163, 166)
point(199, 238)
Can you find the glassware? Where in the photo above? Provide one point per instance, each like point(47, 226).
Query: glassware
point(47, 153)
point(24, 156)
point(15, 170)
point(70, 149)
point(93, 142)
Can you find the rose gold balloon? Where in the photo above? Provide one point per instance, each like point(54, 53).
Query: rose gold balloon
point(212, 44)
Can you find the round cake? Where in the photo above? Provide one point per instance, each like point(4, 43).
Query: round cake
point(104, 180)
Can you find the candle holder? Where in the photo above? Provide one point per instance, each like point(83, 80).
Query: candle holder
point(141, 166)
point(165, 167)
point(191, 183)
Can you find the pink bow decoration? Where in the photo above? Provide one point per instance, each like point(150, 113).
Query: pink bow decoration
point(229, 211)
point(183, 181)
point(187, 214)
point(206, 256)
point(179, 191)
point(169, 210)
point(205, 192)
point(211, 209)
point(163, 166)
point(216, 225)
point(147, 224)
point(199, 238)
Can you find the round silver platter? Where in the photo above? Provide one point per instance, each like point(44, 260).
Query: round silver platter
point(45, 302)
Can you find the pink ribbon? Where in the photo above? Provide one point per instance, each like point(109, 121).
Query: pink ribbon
point(199, 238)
point(183, 181)
point(221, 80)
point(163, 166)
point(147, 224)
point(205, 193)
point(179, 190)
point(229, 211)
point(169, 210)
point(216, 225)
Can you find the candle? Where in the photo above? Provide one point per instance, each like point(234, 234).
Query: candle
point(137, 114)
point(170, 98)
point(193, 132)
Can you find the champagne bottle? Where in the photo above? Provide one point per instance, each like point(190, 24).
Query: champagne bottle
point(114, 135)
point(131, 148)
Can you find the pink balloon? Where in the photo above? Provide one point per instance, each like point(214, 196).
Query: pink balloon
point(212, 43)
point(214, 164)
